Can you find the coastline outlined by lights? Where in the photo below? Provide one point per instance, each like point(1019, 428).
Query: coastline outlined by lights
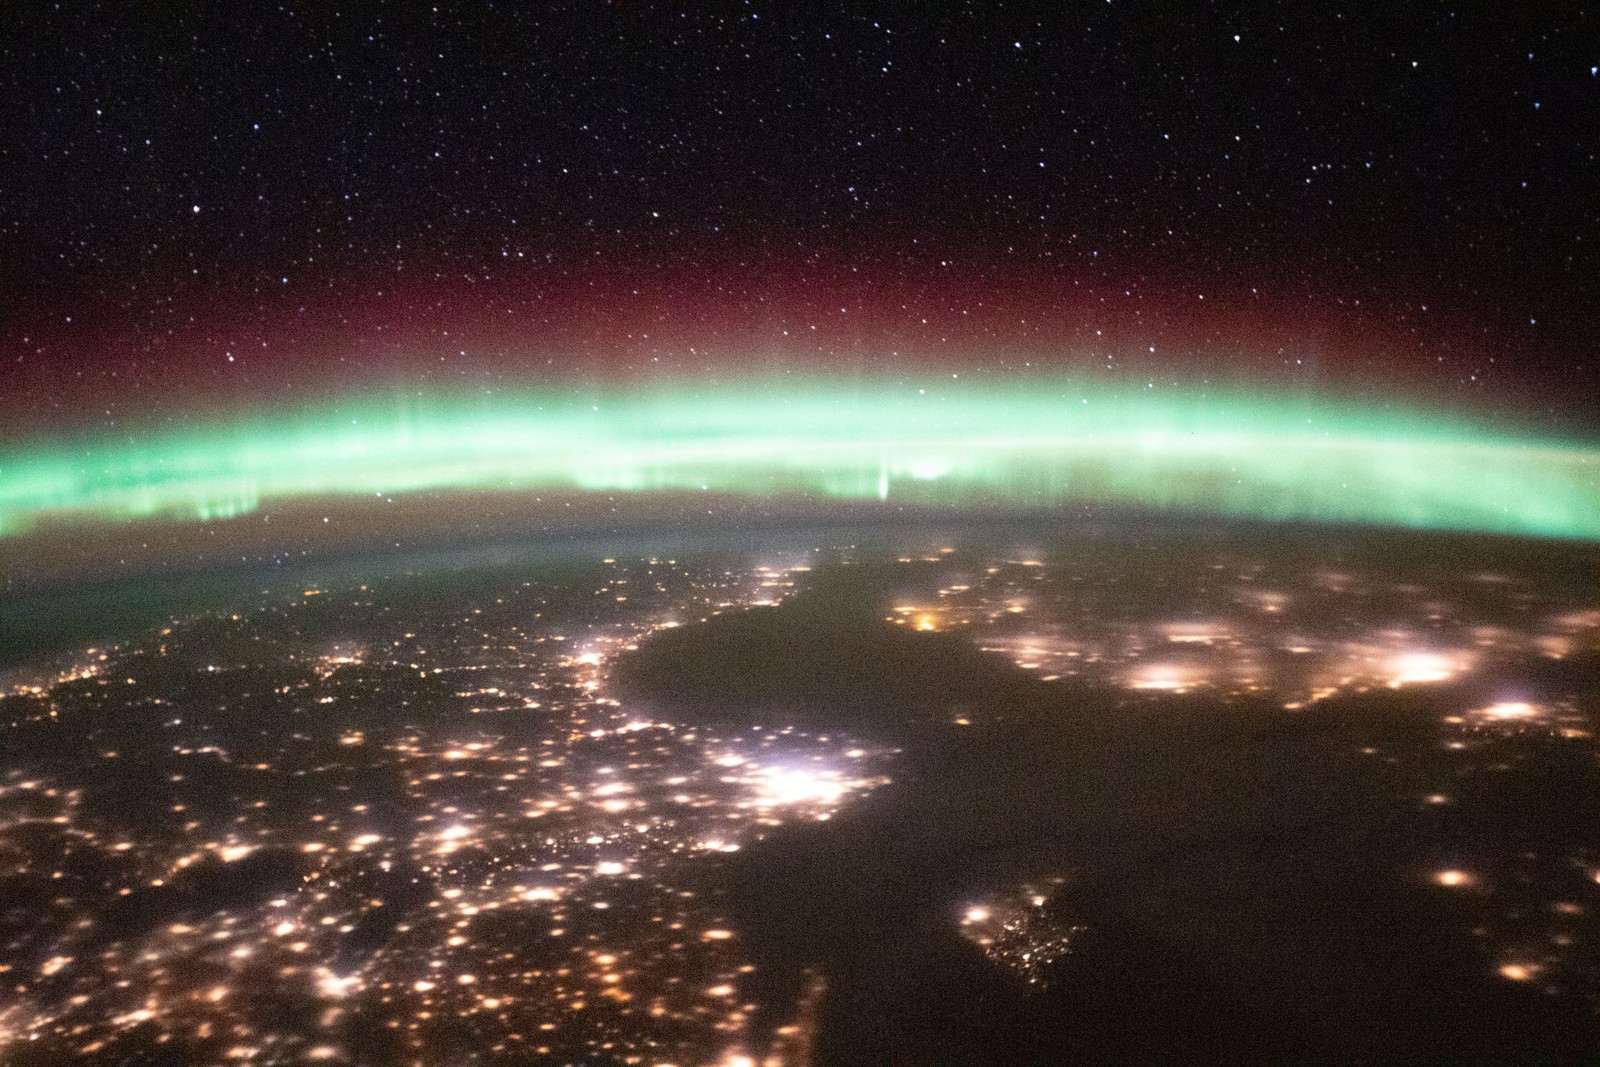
point(963, 444)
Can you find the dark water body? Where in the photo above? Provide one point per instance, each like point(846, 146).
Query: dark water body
point(1240, 906)
point(1248, 883)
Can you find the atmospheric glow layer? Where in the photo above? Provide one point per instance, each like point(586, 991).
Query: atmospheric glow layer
point(951, 443)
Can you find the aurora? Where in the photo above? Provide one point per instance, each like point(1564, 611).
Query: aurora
point(940, 443)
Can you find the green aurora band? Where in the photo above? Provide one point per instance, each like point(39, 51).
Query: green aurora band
point(949, 443)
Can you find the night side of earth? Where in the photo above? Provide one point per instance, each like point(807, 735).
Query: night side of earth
point(1145, 791)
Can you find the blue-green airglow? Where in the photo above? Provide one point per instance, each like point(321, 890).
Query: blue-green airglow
point(952, 443)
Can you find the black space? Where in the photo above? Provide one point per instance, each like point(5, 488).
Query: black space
point(319, 190)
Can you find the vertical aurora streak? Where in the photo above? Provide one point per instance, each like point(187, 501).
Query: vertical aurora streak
point(962, 445)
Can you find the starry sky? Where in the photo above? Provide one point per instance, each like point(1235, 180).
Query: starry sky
point(209, 207)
